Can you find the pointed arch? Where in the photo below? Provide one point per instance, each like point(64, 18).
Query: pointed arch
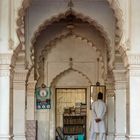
point(53, 42)
point(55, 79)
point(60, 16)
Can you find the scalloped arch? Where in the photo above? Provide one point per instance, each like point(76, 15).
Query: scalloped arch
point(60, 16)
point(114, 5)
point(53, 42)
point(61, 74)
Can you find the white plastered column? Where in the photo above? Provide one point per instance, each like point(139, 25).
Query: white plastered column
point(5, 98)
point(120, 104)
point(133, 100)
point(19, 92)
point(110, 109)
point(30, 110)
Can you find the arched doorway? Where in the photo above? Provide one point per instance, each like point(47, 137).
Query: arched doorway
point(39, 67)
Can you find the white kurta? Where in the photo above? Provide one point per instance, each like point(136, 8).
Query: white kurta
point(99, 109)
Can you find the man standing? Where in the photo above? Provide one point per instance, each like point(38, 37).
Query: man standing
point(98, 126)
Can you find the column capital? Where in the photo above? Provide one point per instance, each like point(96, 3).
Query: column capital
point(20, 75)
point(19, 79)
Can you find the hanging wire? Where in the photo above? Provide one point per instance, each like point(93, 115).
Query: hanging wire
point(43, 61)
point(98, 83)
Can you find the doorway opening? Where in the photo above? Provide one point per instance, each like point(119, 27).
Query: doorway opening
point(71, 112)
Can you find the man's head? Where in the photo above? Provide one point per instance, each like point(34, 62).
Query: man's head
point(100, 95)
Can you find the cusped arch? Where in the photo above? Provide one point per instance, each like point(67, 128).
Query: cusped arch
point(61, 74)
point(114, 5)
point(53, 42)
point(62, 36)
point(118, 13)
point(60, 16)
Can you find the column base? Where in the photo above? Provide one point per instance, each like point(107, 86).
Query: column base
point(132, 137)
point(120, 137)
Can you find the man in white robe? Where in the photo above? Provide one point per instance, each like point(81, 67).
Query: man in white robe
point(98, 125)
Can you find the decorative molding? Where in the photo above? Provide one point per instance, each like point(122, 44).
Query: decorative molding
point(130, 60)
point(4, 73)
point(118, 13)
point(19, 86)
point(134, 59)
point(20, 30)
point(134, 73)
point(20, 76)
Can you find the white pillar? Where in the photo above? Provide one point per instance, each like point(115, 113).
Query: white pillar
point(5, 106)
point(133, 102)
point(120, 104)
point(110, 109)
point(30, 110)
point(31, 124)
point(19, 105)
